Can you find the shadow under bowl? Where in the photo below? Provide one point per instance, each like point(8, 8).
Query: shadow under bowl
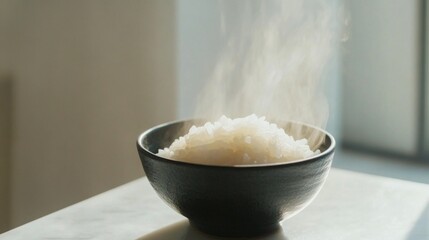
point(232, 201)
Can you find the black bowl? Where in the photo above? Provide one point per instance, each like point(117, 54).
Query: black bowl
point(232, 201)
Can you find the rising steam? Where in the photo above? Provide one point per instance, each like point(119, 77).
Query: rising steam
point(274, 63)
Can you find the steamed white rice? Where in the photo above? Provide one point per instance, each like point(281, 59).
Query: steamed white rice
point(239, 141)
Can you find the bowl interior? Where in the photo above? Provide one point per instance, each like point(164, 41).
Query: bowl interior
point(163, 135)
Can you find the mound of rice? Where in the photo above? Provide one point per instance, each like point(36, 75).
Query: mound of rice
point(239, 141)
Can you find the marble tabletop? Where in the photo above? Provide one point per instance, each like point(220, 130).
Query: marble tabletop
point(350, 206)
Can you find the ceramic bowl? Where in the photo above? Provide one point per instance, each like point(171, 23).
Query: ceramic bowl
point(232, 201)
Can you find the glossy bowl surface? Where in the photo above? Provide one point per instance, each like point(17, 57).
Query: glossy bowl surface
point(232, 201)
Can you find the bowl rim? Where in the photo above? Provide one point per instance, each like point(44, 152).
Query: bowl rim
point(316, 157)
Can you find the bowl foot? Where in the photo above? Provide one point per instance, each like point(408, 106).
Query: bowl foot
point(237, 231)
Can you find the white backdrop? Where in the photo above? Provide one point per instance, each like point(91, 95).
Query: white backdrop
point(199, 42)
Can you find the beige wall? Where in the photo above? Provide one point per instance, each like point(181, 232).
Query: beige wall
point(7, 11)
point(426, 137)
point(88, 76)
point(5, 137)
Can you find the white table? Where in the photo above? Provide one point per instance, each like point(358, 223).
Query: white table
point(350, 206)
